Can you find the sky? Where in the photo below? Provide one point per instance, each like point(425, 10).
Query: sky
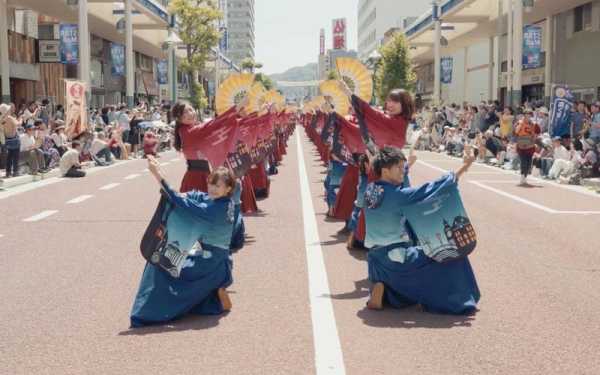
point(287, 31)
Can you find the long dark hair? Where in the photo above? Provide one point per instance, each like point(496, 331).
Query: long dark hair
point(403, 97)
point(177, 112)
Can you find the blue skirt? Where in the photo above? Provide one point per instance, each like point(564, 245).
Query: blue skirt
point(239, 229)
point(353, 222)
point(447, 288)
point(162, 298)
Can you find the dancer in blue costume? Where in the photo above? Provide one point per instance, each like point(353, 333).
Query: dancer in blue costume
point(400, 271)
point(239, 229)
point(200, 288)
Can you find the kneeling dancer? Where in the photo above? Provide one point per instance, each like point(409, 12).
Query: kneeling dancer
point(198, 287)
point(401, 272)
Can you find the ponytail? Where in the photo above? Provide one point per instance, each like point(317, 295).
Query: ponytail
point(177, 112)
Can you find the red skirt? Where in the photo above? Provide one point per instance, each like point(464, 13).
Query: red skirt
point(194, 180)
point(361, 229)
point(248, 197)
point(259, 177)
point(344, 202)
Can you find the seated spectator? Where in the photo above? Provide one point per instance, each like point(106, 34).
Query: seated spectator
point(59, 137)
point(45, 143)
point(116, 145)
point(591, 159)
point(564, 160)
point(69, 163)
point(100, 150)
point(150, 143)
point(494, 146)
point(33, 155)
point(544, 156)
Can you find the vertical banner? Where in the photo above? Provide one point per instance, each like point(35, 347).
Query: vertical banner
point(447, 65)
point(532, 47)
point(223, 42)
point(339, 33)
point(560, 119)
point(322, 42)
point(76, 114)
point(117, 58)
point(163, 72)
point(69, 44)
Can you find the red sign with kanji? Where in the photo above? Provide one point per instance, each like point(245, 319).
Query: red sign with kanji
point(339, 33)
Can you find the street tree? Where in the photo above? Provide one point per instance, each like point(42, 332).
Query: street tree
point(266, 81)
point(196, 26)
point(249, 65)
point(394, 70)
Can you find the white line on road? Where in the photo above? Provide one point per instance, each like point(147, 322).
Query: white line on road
point(80, 199)
point(42, 215)
point(328, 351)
point(165, 163)
point(110, 186)
point(432, 166)
point(132, 176)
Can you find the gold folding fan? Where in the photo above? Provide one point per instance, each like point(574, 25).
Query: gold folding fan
point(272, 96)
point(233, 90)
point(357, 76)
point(339, 99)
point(256, 97)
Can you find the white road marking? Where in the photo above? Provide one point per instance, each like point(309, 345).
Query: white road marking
point(42, 215)
point(79, 199)
point(530, 203)
point(132, 176)
point(165, 163)
point(28, 187)
point(432, 166)
point(328, 351)
point(110, 186)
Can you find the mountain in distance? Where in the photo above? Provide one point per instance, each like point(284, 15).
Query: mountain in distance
point(307, 72)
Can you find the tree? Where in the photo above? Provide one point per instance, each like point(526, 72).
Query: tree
point(332, 74)
point(266, 81)
point(394, 70)
point(249, 65)
point(196, 20)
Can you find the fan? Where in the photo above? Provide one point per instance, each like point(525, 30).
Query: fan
point(272, 96)
point(256, 97)
point(338, 98)
point(233, 90)
point(356, 75)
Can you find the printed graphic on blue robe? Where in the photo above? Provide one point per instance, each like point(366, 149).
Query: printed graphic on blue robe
point(169, 237)
point(442, 226)
point(562, 103)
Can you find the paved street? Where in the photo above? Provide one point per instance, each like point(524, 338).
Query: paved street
point(72, 265)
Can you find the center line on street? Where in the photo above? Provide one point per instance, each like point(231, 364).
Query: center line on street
point(80, 199)
point(42, 215)
point(132, 176)
point(328, 351)
point(110, 186)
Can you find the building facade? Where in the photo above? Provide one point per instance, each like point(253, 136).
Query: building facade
point(240, 30)
point(376, 17)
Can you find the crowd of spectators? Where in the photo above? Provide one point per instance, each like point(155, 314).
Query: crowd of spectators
point(516, 139)
point(33, 138)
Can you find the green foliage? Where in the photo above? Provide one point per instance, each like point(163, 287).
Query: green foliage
point(394, 70)
point(199, 100)
point(266, 81)
point(196, 21)
point(249, 65)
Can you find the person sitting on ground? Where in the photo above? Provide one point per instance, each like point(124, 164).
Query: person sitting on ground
point(566, 162)
point(100, 151)
point(33, 155)
point(494, 146)
point(59, 137)
point(46, 145)
point(69, 163)
point(116, 145)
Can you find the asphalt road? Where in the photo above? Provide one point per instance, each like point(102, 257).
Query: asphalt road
point(71, 271)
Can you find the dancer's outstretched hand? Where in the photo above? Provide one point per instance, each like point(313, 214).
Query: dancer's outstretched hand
point(154, 168)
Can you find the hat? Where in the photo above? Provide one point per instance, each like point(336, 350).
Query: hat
point(29, 126)
point(556, 138)
point(528, 110)
point(543, 110)
point(4, 108)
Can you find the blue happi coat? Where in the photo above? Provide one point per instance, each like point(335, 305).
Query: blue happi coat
point(195, 218)
point(409, 276)
point(333, 180)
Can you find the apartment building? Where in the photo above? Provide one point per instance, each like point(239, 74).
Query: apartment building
point(240, 30)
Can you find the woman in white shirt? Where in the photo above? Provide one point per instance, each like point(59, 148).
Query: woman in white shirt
point(60, 138)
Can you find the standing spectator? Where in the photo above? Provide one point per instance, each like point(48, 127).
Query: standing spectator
point(9, 125)
point(104, 115)
point(123, 121)
point(506, 122)
point(69, 163)
point(100, 150)
point(34, 156)
point(44, 113)
point(595, 126)
point(578, 120)
point(542, 119)
point(134, 132)
point(59, 114)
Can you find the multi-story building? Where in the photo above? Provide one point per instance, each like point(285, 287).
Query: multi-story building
point(375, 17)
point(240, 30)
